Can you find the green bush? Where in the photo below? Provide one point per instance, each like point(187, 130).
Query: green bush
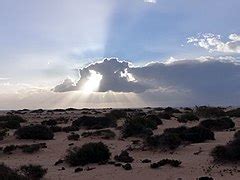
point(105, 134)
point(174, 137)
point(138, 127)
point(31, 148)
point(164, 115)
point(198, 135)
point(233, 112)
point(229, 152)
point(154, 118)
point(187, 117)
point(91, 122)
point(7, 173)
point(3, 133)
point(11, 121)
point(33, 171)
point(73, 137)
point(163, 162)
point(68, 129)
point(116, 114)
point(207, 111)
point(164, 141)
point(50, 122)
point(88, 153)
point(39, 132)
point(218, 124)
point(124, 157)
point(171, 110)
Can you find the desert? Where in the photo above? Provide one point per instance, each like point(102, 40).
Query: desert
point(146, 143)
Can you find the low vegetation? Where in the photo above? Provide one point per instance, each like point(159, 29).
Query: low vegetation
point(92, 122)
point(124, 157)
point(163, 162)
point(138, 127)
point(73, 137)
point(174, 137)
point(37, 132)
point(218, 124)
point(7, 173)
point(33, 171)
point(88, 153)
point(187, 117)
point(229, 152)
point(104, 134)
point(208, 112)
point(3, 133)
point(233, 112)
point(11, 121)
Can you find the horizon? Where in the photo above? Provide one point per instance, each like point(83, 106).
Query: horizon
point(109, 53)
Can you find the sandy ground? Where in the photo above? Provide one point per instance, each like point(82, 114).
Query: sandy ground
point(192, 167)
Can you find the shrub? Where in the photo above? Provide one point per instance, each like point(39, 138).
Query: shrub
point(164, 115)
point(39, 132)
point(11, 121)
point(233, 112)
point(116, 114)
point(94, 122)
point(124, 157)
point(237, 135)
point(68, 129)
point(7, 173)
point(230, 152)
point(73, 136)
point(171, 110)
point(198, 135)
point(12, 117)
point(164, 141)
point(154, 118)
point(174, 137)
point(206, 111)
point(33, 171)
point(8, 149)
point(138, 127)
point(127, 166)
point(218, 124)
point(105, 134)
point(3, 133)
point(50, 122)
point(88, 153)
point(163, 162)
point(31, 148)
point(187, 117)
point(55, 128)
point(205, 178)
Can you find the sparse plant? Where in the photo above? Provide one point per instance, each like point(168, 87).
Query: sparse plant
point(105, 134)
point(218, 124)
point(88, 153)
point(7, 173)
point(33, 171)
point(138, 127)
point(91, 122)
point(187, 117)
point(34, 132)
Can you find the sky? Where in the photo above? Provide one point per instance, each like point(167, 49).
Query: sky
point(119, 53)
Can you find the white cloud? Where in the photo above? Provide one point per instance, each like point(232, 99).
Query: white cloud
point(150, 1)
point(214, 43)
point(203, 80)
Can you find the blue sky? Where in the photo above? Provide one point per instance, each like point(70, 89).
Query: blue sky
point(41, 42)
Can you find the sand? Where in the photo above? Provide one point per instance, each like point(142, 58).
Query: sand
point(192, 167)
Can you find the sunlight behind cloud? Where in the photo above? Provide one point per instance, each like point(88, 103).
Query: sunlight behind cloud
point(92, 83)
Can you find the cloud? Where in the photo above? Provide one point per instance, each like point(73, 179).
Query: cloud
point(214, 43)
point(201, 80)
point(150, 1)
